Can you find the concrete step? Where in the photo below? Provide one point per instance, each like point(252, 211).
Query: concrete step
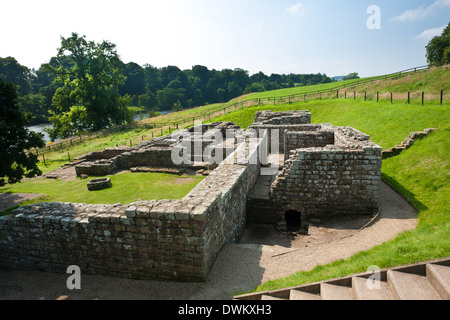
point(371, 289)
point(439, 277)
point(410, 286)
point(335, 291)
point(421, 281)
point(266, 297)
point(303, 295)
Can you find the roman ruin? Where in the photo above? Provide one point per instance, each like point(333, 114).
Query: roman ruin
point(282, 170)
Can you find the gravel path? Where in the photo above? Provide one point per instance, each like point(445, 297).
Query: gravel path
point(9, 200)
point(239, 267)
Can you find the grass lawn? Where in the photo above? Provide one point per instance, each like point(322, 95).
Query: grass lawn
point(420, 174)
point(126, 188)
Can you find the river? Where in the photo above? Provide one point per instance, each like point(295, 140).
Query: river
point(39, 128)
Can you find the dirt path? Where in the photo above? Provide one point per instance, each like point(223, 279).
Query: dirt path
point(239, 267)
point(9, 200)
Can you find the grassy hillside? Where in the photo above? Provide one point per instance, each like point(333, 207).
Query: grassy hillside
point(429, 80)
point(387, 124)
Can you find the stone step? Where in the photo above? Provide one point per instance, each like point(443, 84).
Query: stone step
point(410, 286)
point(439, 277)
point(269, 297)
point(421, 281)
point(369, 289)
point(329, 291)
point(303, 295)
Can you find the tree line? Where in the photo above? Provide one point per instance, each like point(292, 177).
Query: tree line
point(87, 87)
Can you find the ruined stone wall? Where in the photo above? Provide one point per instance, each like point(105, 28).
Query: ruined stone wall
point(283, 118)
point(304, 139)
point(330, 181)
point(106, 154)
point(169, 240)
point(279, 131)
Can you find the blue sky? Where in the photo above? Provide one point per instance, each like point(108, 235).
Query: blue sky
point(272, 36)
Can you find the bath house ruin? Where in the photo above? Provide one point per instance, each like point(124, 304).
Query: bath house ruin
point(282, 170)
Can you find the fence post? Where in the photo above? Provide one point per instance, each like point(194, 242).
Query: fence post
point(423, 98)
point(391, 97)
point(409, 97)
point(442, 96)
point(354, 95)
point(365, 95)
point(378, 96)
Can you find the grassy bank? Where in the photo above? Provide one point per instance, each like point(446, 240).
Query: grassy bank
point(387, 124)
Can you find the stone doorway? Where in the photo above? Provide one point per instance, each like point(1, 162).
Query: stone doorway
point(293, 220)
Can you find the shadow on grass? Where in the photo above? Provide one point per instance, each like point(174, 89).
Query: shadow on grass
point(405, 193)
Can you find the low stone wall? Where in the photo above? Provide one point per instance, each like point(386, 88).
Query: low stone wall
point(169, 240)
point(282, 118)
point(106, 154)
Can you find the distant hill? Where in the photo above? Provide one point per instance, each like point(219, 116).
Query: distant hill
point(338, 78)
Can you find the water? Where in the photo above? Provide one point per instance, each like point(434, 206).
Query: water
point(39, 128)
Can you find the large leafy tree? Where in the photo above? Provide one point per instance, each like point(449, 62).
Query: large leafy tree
point(15, 139)
point(14, 72)
point(438, 49)
point(89, 74)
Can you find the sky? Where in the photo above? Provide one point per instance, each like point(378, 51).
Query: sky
point(335, 37)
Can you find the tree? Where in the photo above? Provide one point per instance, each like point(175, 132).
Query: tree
point(351, 76)
point(15, 139)
point(135, 80)
point(16, 73)
point(67, 124)
point(438, 49)
point(90, 74)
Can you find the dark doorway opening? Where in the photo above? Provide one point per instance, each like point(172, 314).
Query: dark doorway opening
point(293, 220)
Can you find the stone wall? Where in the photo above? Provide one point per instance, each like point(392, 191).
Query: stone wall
point(334, 180)
point(169, 240)
point(158, 151)
point(300, 140)
point(282, 118)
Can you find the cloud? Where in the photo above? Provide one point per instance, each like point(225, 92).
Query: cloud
point(296, 8)
point(430, 33)
point(422, 11)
